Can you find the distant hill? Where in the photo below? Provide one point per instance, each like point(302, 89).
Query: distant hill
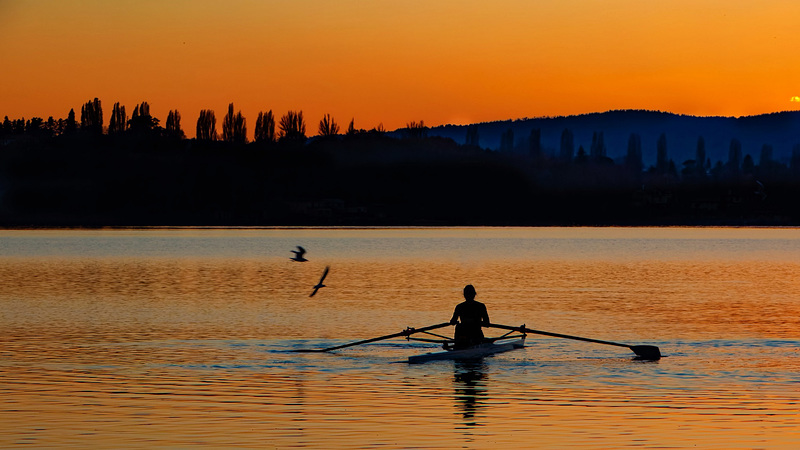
point(781, 130)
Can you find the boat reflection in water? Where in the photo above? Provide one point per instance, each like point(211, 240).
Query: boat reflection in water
point(470, 388)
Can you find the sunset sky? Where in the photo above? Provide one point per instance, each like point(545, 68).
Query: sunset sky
point(392, 62)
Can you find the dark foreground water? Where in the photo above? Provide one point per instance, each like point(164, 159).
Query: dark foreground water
point(181, 338)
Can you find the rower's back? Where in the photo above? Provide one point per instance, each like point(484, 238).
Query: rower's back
point(469, 316)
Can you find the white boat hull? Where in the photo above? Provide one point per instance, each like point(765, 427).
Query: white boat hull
point(479, 351)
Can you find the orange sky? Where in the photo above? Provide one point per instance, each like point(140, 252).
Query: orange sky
point(391, 62)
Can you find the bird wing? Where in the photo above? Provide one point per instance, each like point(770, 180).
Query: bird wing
point(324, 274)
point(301, 251)
point(320, 285)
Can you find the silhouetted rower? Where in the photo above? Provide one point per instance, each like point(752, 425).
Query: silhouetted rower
point(468, 317)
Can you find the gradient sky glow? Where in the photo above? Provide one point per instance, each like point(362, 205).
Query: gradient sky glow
point(390, 62)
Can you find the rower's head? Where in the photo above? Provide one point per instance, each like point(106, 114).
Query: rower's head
point(469, 292)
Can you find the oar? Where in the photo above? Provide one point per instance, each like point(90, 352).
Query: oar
point(406, 332)
point(650, 352)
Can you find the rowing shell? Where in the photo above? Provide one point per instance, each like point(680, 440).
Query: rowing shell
point(495, 345)
point(478, 351)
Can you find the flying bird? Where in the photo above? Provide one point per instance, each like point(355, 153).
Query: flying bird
point(320, 285)
point(298, 254)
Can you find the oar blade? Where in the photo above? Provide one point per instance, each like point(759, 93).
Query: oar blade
point(643, 352)
point(646, 352)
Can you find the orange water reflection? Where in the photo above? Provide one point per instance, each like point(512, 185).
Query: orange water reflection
point(250, 299)
point(138, 351)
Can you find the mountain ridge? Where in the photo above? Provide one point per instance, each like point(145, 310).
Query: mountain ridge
point(780, 129)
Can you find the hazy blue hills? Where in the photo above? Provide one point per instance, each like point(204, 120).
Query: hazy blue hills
point(780, 130)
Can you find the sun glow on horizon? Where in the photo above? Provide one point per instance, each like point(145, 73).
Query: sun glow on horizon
point(440, 61)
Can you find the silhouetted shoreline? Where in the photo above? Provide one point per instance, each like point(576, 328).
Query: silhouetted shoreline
point(148, 176)
point(359, 181)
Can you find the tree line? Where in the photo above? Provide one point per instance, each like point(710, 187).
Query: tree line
point(131, 170)
point(290, 127)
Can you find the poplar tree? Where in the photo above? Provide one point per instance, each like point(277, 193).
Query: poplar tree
point(633, 159)
point(416, 130)
point(351, 128)
point(598, 149)
point(234, 128)
point(292, 126)
point(119, 119)
point(141, 121)
point(265, 127)
point(328, 126)
point(206, 126)
point(92, 117)
point(700, 157)
point(71, 125)
point(173, 124)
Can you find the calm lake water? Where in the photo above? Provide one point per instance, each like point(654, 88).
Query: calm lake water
point(182, 338)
